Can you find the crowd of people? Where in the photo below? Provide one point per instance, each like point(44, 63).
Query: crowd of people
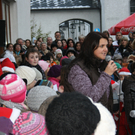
point(65, 88)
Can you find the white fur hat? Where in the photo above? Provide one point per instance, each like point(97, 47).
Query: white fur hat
point(106, 125)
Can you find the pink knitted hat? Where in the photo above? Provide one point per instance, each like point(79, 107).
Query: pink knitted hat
point(12, 88)
point(29, 123)
point(64, 57)
point(43, 64)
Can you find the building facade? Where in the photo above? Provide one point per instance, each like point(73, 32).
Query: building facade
point(16, 14)
point(79, 17)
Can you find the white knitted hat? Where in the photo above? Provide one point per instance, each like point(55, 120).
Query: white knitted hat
point(26, 72)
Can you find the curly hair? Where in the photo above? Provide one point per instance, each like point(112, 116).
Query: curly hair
point(72, 114)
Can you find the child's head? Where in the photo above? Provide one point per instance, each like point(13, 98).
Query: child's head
point(55, 71)
point(53, 47)
point(58, 53)
point(118, 58)
point(73, 113)
point(12, 88)
point(70, 52)
point(59, 43)
point(32, 57)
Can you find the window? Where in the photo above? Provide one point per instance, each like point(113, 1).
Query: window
point(6, 17)
point(132, 6)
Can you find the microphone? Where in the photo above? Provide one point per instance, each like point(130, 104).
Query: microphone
point(115, 73)
point(132, 113)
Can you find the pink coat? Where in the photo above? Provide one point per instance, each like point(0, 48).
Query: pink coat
point(54, 81)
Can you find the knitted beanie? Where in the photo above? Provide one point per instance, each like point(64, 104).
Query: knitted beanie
point(38, 74)
point(12, 88)
point(64, 57)
point(58, 51)
point(54, 71)
point(70, 49)
point(124, 71)
point(7, 65)
point(43, 107)
point(26, 72)
point(29, 123)
point(43, 64)
point(66, 61)
point(6, 126)
point(9, 113)
point(117, 57)
point(118, 65)
point(37, 95)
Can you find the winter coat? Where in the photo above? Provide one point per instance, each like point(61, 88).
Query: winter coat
point(9, 54)
point(92, 83)
point(54, 81)
point(128, 83)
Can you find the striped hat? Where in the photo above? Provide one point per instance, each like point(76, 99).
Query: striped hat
point(29, 123)
point(12, 88)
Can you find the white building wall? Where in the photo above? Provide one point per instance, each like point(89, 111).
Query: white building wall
point(114, 11)
point(50, 19)
point(20, 20)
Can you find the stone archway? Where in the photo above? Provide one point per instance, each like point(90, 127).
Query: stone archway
point(75, 27)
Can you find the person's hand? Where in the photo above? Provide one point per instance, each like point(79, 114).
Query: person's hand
point(111, 68)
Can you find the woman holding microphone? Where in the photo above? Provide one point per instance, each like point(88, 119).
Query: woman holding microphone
point(89, 73)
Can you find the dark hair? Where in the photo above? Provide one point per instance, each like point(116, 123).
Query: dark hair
point(31, 50)
point(49, 54)
point(90, 44)
point(68, 43)
point(9, 45)
point(76, 45)
point(18, 39)
point(28, 40)
point(63, 80)
point(118, 33)
point(72, 114)
point(16, 45)
point(57, 32)
point(106, 32)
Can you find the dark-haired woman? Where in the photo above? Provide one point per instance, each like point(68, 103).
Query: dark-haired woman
point(70, 43)
point(89, 74)
point(18, 53)
point(9, 52)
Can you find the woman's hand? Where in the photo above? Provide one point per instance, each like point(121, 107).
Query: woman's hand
point(111, 68)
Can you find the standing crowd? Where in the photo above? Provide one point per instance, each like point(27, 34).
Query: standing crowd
point(65, 88)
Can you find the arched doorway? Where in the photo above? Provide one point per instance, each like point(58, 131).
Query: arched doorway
point(74, 28)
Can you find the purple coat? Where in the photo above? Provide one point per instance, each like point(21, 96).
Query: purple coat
point(82, 83)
